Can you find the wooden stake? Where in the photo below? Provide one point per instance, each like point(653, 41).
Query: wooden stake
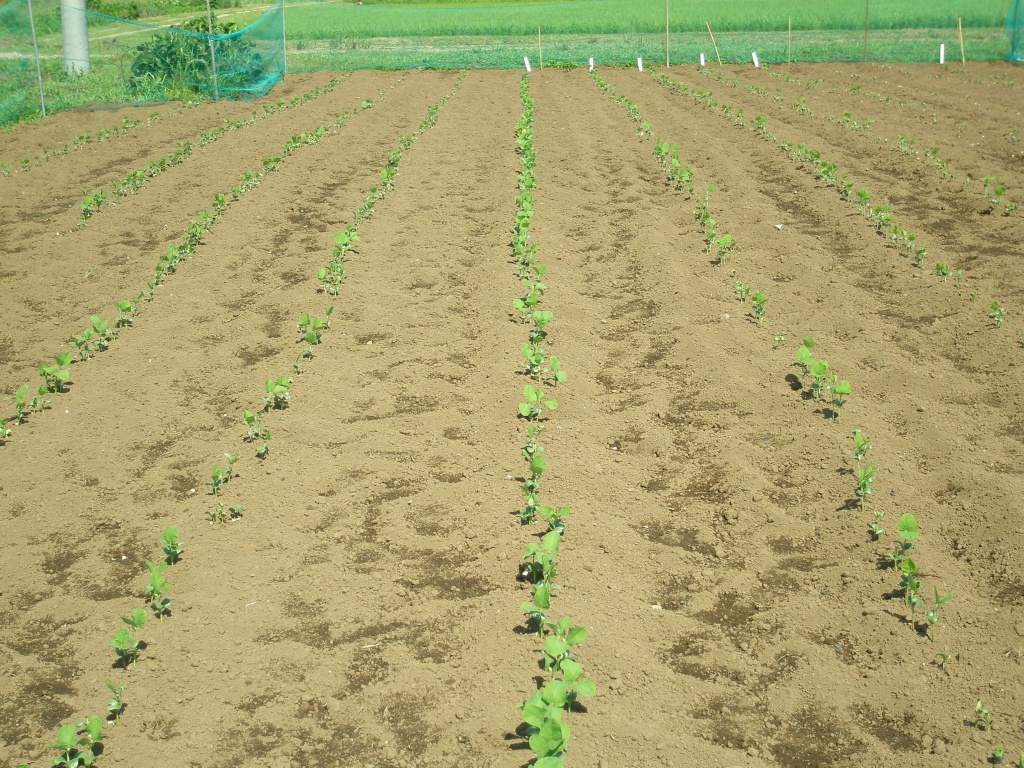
point(540, 51)
point(866, 6)
point(789, 55)
point(668, 62)
point(960, 29)
point(717, 55)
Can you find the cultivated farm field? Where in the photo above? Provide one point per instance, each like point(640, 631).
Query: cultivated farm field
point(294, 384)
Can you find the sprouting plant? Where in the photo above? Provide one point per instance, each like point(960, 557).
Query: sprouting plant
point(932, 615)
point(861, 445)
point(865, 477)
point(778, 340)
point(996, 313)
point(548, 735)
point(5, 433)
point(758, 301)
point(819, 377)
point(222, 513)
point(725, 245)
point(116, 704)
point(278, 394)
point(126, 312)
point(92, 202)
point(535, 403)
point(944, 658)
point(840, 389)
point(538, 562)
point(907, 533)
point(172, 545)
point(876, 529)
point(75, 744)
point(911, 584)
point(56, 375)
point(22, 407)
point(558, 645)
point(217, 479)
point(742, 290)
point(982, 717)
point(254, 428)
point(157, 589)
point(998, 755)
point(126, 644)
point(554, 517)
point(942, 271)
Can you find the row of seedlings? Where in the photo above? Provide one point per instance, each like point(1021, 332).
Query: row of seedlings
point(80, 743)
point(543, 713)
point(826, 388)
point(810, 160)
point(94, 200)
point(102, 332)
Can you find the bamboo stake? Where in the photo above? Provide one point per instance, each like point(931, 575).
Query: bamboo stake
point(717, 55)
point(540, 51)
point(789, 54)
point(867, 3)
point(667, 58)
point(960, 29)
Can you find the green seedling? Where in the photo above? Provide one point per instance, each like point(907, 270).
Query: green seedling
point(907, 533)
point(221, 513)
point(254, 427)
point(116, 704)
point(865, 477)
point(548, 735)
point(278, 393)
point(157, 589)
point(725, 245)
point(932, 615)
point(982, 717)
point(944, 658)
point(840, 390)
point(819, 377)
point(758, 301)
point(538, 562)
point(554, 517)
point(861, 445)
point(778, 340)
point(911, 584)
point(218, 478)
point(126, 313)
point(92, 202)
point(998, 755)
point(741, 290)
point(172, 545)
point(76, 744)
point(55, 376)
point(125, 643)
point(876, 529)
point(804, 356)
point(558, 645)
point(942, 271)
point(535, 403)
point(996, 313)
point(5, 433)
point(22, 407)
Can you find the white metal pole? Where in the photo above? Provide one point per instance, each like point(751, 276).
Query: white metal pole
point(35, 47)
point(213, 55)
point(284, 40)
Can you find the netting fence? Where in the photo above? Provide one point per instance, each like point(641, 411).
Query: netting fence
point(131, 61)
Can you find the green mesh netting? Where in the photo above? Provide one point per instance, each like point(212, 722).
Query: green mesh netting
point(1015, 30)
point(132, 62)
point(345, 35)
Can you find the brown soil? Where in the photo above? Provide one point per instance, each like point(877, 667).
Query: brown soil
point(364, 611)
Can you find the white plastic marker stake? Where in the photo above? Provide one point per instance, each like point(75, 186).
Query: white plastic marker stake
point(640, 64)
point(757, 64)
point(591, 63)
point(942, 53)
point(526, 61)
point(702, 59)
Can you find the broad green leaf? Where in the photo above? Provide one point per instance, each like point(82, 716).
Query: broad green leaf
point(551, 541)
point(542, 597)
point(842, 388)
point(576, 635)
point(585, 687)
point(554, 693)
point(530, 394)
point(525, 409)
point(66, 738)
point(94, 727)
point(907, 527)
point(554, 647)
point(571, 671)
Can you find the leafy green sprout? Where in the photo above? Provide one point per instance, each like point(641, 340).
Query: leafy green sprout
point(55, 376)
point(535, 404)
point(875, 527)
point(125, 642)
point(865, 477)
point(758, 301)
point(277, 393)
point(933, 615)
point(996, 313)
point(910, 581)
point(171, 545)
point(157, 589)
point(75, 744)
point(840, 389)
point(861, 445)
point(944, 658)
point(942, 271)
point(741, 290)
point(558, 645)
point(998, 755)
point(907, 533)
point(116, 704)
point(222, 513)
point(778, 340)
point(982, 717)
